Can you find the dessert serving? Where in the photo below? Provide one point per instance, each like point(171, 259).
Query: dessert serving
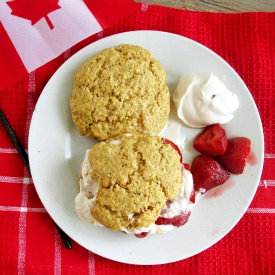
point(120, 90)
point(57, 151)
point(133, 180)
point(136, 184)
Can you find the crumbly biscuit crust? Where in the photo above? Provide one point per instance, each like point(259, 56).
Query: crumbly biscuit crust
point(136, 176)
point(120, 90)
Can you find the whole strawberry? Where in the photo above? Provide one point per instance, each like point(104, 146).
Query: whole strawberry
point(212, 141)
point(235, 157)
point(207, 173)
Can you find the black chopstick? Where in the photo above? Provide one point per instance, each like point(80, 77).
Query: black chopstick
point(22, 153)
point(15, 140)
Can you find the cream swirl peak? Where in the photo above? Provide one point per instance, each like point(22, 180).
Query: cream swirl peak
point(203, 99)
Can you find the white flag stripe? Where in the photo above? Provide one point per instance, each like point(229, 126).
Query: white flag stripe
point(37, 43)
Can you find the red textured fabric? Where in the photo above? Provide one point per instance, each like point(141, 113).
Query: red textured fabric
point(29, 240)
point(8, 71)
point(108, 12)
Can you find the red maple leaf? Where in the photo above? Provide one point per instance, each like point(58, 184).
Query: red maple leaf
point(34, 10)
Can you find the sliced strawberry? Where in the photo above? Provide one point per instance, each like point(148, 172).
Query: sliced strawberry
point(207, 173)
point(187, 166)
point(212, 141)
point(167, 141)
point(235, 157)
point(193, 197)
point(177, 221)
point(141, 235)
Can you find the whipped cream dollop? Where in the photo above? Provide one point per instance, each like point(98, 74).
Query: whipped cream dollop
point(86, 198)
point(203, 99)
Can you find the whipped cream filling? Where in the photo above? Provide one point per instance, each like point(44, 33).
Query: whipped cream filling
point(86, 198)
point(203, 99)
point(182, 202)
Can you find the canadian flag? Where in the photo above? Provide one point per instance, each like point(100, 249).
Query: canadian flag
point(37, 31)
point(33, 32)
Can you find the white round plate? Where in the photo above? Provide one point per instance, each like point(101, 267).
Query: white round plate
point(56, 151)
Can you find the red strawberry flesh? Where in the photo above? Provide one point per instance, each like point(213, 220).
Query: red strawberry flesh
point(141, 235)
point(235, 157)
point(187, 166)
point(207, 173)
point(193, 197)
point(212, 141)
point(177, 221)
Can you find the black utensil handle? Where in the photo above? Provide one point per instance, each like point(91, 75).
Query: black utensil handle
point(15, 140)
point(25, 159)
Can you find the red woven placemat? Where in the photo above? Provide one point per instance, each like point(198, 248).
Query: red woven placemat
point(29, 240)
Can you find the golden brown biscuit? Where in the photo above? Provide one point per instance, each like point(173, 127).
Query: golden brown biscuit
point(136, 175)
point(120, 90)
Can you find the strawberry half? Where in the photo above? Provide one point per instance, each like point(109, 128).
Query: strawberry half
point(235, 157)
point(212, 141)
point(167, 141)
point(141, 235)
point(207, 173)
